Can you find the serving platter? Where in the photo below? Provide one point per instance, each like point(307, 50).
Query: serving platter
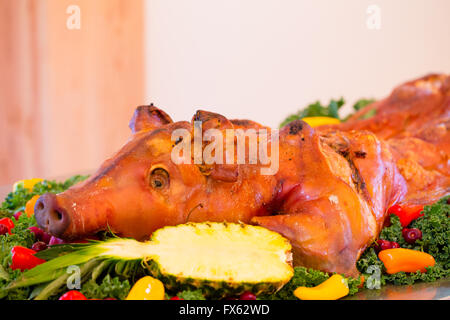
point(438, 290)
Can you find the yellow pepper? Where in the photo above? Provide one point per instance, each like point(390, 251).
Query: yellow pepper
point(147, 288)
point(29, 207)
point(320, 121)
point(27, 184)
point(406, 260)
point(333, 288)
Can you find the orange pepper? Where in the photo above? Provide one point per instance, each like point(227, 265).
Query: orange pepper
point(362, 280)
point(29, 207)
point(406, 260)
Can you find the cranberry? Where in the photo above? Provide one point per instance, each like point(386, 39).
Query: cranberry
point(39, 246)
point(3, 229)
point(382, 245)
point(411, 235)
point(247, 296)
point(176, 298)
point(17, 215)
point(46, 237)
point(38, 233)
point(394, 245)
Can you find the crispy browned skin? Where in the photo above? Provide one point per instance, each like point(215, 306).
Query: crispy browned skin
point(329, 196)
point(415, 122)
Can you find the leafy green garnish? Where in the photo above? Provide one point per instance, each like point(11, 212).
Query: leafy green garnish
point(191, 295)
point(369, 114)
point(17, 199)
point(108, 288)
point(317, 110)
point(21, 236)
point(361, 103)
point(332, 110)
point(435, 227)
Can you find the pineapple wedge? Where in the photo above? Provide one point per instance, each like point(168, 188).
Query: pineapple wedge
point(221, 259)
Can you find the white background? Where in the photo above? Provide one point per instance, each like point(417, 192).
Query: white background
point(264, 59)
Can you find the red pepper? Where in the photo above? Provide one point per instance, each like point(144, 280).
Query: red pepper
point(406, 213)
point(73, 295)
point(24, 259)
point(8, 223)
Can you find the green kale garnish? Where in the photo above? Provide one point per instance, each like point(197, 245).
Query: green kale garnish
point(16, 200)
point(191, 295)
point(331, 110)
point(21, 236)
point(361, 103)
point(108, 288)
point(317, 110)
point(435, 227)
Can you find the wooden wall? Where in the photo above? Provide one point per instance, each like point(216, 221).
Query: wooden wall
point(66, 95)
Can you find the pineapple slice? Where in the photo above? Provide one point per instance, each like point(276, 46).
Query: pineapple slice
point(222, 259)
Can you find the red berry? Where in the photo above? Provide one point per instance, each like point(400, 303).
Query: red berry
point(3, 229)
point(17, 215)
point(394, 245)
point(411, 235)
point(73, 295)
point(382, 245)
point(39, 246)
point(46, 237)
point(38, 233)
point(247, 296)
point(176, 298)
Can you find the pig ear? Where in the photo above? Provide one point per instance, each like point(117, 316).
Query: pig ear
point(222, 172)
point(148, 118)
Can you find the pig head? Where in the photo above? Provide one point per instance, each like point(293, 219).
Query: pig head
point(141, 189)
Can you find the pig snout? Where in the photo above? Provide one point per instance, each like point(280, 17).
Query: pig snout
point(50, 216)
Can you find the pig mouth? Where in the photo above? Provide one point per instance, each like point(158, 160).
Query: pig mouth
point(50, 216)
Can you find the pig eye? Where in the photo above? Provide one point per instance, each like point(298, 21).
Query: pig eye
point(159, 178)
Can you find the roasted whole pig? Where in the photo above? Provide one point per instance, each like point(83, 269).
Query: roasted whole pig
point(329, 196)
